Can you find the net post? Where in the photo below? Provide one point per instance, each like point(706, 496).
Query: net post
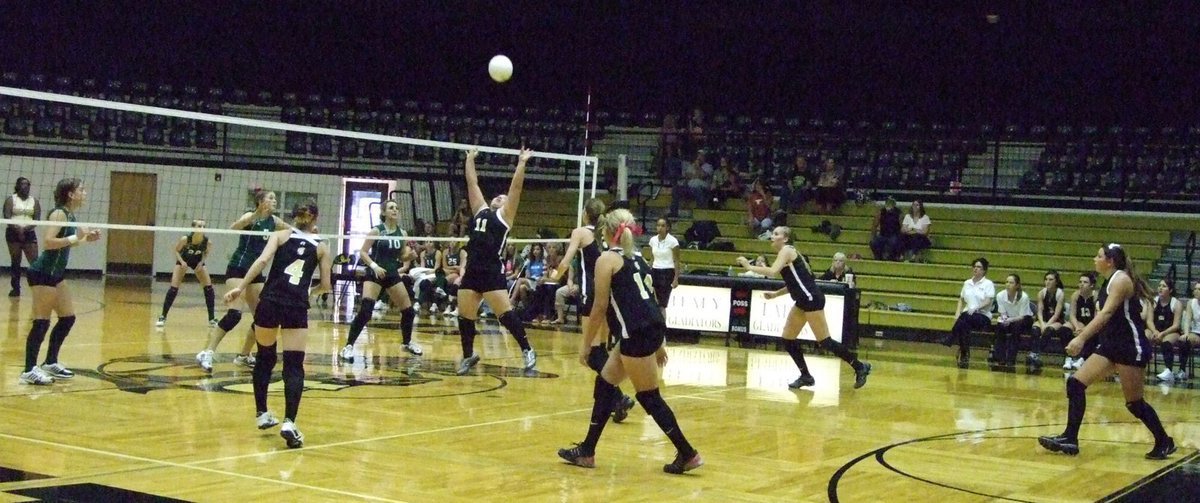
point(582, 178)
point(622, 178)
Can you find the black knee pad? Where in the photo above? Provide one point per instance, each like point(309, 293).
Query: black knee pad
point(466, 325)
point(597, 357)
point(510, 319)
point(366, 305)
point(63, 326)
point(1075, 388)
point(604, 391)
point(267, 356)
point(172, 291)
point(1138, 408)
point(230, 320)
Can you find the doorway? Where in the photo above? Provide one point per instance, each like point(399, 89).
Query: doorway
point(361, 212)
point(133, 202)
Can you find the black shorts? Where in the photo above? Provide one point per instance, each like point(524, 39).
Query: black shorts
point(816, 304)
point(39, 278)
point(240, 272)
point(12, 235)
point(483, 279)
point(644, 341)
point(662, 284)
point(192, 264)
point(1125, 351)
point(272, 315)
point(388, 280)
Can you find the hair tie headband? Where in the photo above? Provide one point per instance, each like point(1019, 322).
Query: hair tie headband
point(621, 228)
point(1114, 246)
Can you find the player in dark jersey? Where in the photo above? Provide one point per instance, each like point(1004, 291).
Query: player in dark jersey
point(624, 293)
point(249, 247)
point(483, 276)
point(45, 278)
point(1164, 327)
point(384, 252)
point(283, 313)
point(1123, 345)
point(1083, 310)
point(449, 275)
point(1048, 324)
point(809, 309)
point(191, 252)
point(429, 259)
point(584, 242)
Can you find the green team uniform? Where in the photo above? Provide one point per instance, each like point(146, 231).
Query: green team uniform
point(249, 248)
point(53, 263)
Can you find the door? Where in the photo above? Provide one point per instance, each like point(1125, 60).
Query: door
point(361, 212)
point(133, 199)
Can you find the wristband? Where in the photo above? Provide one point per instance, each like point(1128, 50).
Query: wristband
point(73, 239)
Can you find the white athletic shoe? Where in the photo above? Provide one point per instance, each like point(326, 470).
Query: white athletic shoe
point(212, 322)
point(161, 322)
point(380, 305)
point(291, 434)
point(451, 310)
point(205, 360)
point(1181, 375)
point(530, 359)
point(347, 353)
point(266, 420)
point(244, 360)
point(1077, 364)
point(1068, 363)
point(1166, 376)
point(36, 376)
point(57, 371)
point(413, 348)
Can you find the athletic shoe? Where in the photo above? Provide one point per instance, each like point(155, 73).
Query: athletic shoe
point(1068, 363)
point(212, 322)
point(162, 321)
point(1075, 365)
point(14, 293)
point(291, 434)
point(530, 359)
point(205, 360)
point(1181, 375)
point(347, 354)
point(414, 349)
point(860, 375)
point(1059, 443)
point(57, 371)
point(266, 420)
point(1166, 376)
point(36, 376)
point(380, 305)
point(467, 364)
point(244, 360)
point(1162, 451)
point(622, 410)
point(452, 312)
point(575, 456)
point(681, 464)
point(802, 381)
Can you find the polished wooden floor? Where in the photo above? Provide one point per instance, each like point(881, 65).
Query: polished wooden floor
point(141, 416)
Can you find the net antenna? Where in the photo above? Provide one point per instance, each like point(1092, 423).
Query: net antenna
point(584, 160)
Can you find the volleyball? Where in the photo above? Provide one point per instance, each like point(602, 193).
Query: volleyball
point(500, 68)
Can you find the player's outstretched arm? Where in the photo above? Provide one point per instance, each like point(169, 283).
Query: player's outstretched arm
point(515, 187)
point(474, 195)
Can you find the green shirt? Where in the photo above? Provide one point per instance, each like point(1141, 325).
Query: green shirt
point(54, 262)
point(388, 248)
point(250, 247)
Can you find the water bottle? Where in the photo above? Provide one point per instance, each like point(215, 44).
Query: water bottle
point(729, 271)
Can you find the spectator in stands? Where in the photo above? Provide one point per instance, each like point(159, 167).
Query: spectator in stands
point(462, 217)
point(666, 267)
point(1083, 309)
point(726, 183)
point(831, 191)
point(694, 186)
point(838, 270)
point(531, 272)
point(1049, 324)
point(1191, 333)
point(974, 310)
point(797, 185)
point(22, 239)
point(543, 294)
point(511, 263)
point(566, 292)
point(695, 132)
point(669, 149)
point(885, 232)
point(1163, 327)
point(1016, 319)
point(760, 261)
point(758, 210)
point(914, 232)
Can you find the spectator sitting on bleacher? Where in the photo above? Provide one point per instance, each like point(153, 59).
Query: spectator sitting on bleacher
point(726, 184)
point(885, 232)
point(511, 264)
point(568, 291)
point(1083, 309)
point(760, 261)
point(1016, 319)
point(974, 310)
point(838, 270)
point(694, 186)
point(1163, 327)
point(758, 210)
point(531, 272)
point(797, 185)
point(1191, 333)
point(542, 301)
point(831, 192)
point(914, 232)
point(462, 216)
point(1049, 324)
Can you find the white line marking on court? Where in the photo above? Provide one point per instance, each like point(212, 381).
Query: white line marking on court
point(427, 432)
point(200, 468)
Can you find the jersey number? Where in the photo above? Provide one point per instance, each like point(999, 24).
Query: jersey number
point(295, 271)
point(481, 225)
point(1085, 312)
point(644, 283)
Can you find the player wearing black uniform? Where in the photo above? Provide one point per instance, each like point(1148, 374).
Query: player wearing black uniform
point(1121, 329)
point(385, 254)
point(1083, 310)
point(483, 276)
point(809, 309)
point(623, 292)
point(584, 242)
point(283, 313)
point(191, 251)
point(249, 247)
point(449, 275)
point(1164, 327)
point(1049, 323)
point(50, 293)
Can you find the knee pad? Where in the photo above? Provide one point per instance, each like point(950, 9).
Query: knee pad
point(466, 325)
point(230, 320)
point(64, 325)
point(266, 357)
point(1075, 388)
point(597, 357)
point(1137, 408)
point(172, 291)
point(510, 319)
point(604, 391)
point(649, 399)
point(293, 364)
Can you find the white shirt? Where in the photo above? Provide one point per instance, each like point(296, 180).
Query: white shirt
point(920, 225)
point(1012, 310)
point(974, 295)
point(22, 209)
point(1193, 317)
point(664, 257)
